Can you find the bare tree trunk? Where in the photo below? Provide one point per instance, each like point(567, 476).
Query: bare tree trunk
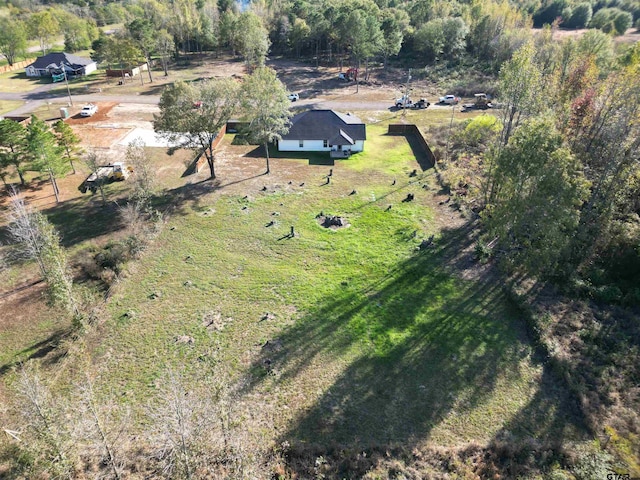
point(55, 187)
point(266, 150)
point(149, 69)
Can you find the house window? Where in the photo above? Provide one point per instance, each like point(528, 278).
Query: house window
point(301, 143)
point(325, 143)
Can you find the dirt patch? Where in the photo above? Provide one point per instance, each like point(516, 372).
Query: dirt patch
point(101, 115)
point(100, 137)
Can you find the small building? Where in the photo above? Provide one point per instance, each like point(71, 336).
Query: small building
point(324, 131)
point(54, 63)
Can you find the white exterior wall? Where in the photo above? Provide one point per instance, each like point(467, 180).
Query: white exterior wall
point(316, 146)
point(90, 68)
point(309, 146)
point(31, 72)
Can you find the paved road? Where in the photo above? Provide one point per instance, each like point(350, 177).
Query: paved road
point(41, 95)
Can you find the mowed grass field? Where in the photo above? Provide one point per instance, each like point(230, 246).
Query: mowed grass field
point(331, 337)
point(350, 338)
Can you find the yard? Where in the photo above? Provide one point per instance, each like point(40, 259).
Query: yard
point(351, 338)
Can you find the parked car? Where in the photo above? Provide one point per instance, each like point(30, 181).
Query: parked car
point(294, 97)
point(89, 110)
point(450, 100)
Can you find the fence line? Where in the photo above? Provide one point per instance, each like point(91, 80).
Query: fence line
point(17, 65)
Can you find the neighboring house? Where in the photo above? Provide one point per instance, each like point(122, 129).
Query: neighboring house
point(53, 63)
point(324, 131)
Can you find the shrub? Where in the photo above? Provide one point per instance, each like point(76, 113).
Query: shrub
point(480, 130)
point(580, 17)
point(611, 20)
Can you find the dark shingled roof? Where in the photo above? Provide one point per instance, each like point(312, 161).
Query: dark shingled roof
point(326, 125)
point(73, 60)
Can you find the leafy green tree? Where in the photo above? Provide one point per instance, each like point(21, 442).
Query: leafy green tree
point(598, 45)
point(394, 24)
point(38, 240)
point(612, 20)
point(429, 40)
point(229, 31)
point(79, 33)
point(144, 34)
point(580, 16)
point(165, 45)
point(265, 99)
point(44, 152)
point(536, 206)
point(13, 38)
point(605, 134)
point(68, 140)
point(299, 34)
point(12, 144)
point(192, 115)
point(43, 26)
point(124, 52)
point(253, 42)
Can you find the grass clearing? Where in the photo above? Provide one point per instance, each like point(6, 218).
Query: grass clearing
point(349, 338)
point(375, 343)
point(9, 105)
point(18, 82)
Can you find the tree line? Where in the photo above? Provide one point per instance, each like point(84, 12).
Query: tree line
point(559, 193)
point(329, 30)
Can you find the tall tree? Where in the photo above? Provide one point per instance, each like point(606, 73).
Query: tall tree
point(254, 39)
point(43, 26)
point(38, 240)
point(192, 115)
point(539, 188)
point(144, 34)
point(13, 38)
point(299, 34)
point(393, 25)
point(265, 99)
point(165, 47)
point(68, 140)
point(45, 153)
point(605, 134)
point(12, 145)
point(124, 52)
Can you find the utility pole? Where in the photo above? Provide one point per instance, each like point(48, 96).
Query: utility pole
point(405, 97)
point(66, 81)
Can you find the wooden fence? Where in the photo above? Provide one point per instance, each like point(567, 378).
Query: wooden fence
point(17, 65)
point(201, 161)
point(411, 130)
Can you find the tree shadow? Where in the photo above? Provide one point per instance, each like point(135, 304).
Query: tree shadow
point(40, 350)
point(426, 348)
point(79, 220)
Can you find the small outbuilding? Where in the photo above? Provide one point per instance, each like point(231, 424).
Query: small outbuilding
point(325, 131)
point(58, 62)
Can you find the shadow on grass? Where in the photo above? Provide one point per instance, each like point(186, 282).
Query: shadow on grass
point(416, 149)
point(40, 350)
point(428, 348)
point(80, 219)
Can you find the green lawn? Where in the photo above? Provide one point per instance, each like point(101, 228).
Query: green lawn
point(9, 105)
point(18, 82)
point(376, 342)
point(348, 339)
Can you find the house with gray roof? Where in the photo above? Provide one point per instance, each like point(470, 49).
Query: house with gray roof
point(324, 131)
point(54, 63)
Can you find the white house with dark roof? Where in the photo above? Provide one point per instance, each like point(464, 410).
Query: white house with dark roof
point(54, 63)
point(324, 131)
